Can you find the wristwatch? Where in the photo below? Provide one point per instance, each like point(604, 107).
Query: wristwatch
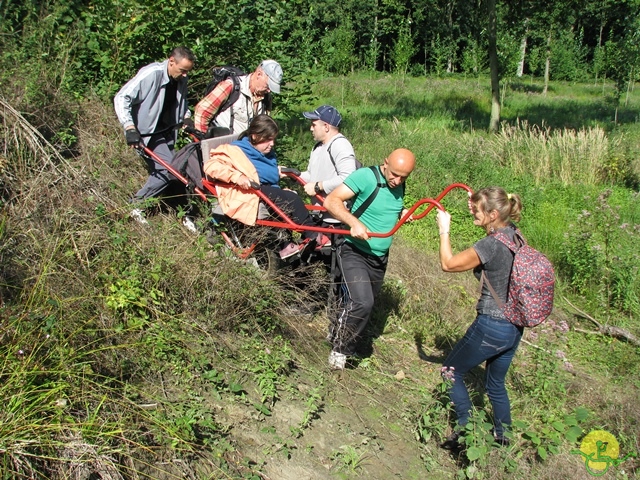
point(317, 188)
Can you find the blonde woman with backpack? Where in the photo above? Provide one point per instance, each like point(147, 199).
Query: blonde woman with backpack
point(491, 338)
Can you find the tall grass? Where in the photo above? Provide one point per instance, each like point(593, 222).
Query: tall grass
point(541, 153)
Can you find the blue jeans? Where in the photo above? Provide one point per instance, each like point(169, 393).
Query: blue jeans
point(494, 341)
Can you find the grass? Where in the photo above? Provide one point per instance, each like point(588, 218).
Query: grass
point(131, 352)
point(556, 150)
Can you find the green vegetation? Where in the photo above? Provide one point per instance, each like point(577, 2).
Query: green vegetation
point(123, 346)
point(148, 353)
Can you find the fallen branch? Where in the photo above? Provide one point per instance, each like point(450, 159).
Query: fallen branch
point(609, 330)
point(535, 346)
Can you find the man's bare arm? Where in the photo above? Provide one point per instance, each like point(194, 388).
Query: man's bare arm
point(334, 203)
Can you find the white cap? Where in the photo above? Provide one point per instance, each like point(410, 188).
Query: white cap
point(274, 73)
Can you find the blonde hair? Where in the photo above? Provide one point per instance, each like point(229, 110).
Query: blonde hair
point(508, 205)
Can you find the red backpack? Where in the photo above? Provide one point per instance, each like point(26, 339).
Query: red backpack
point(531, 284)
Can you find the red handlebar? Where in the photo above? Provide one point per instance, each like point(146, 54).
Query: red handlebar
point(286, 222)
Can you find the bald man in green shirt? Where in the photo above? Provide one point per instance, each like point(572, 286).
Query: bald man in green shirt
point(377, 194)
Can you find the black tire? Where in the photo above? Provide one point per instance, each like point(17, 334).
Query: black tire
point(266, 259)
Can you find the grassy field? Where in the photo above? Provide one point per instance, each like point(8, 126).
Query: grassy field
point(561, 152)
point(147, 353)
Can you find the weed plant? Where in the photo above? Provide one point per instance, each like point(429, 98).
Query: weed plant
point(600, 258)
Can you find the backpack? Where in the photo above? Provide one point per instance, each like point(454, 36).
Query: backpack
point(188, 162)
point(531, 283)
point(220, 74)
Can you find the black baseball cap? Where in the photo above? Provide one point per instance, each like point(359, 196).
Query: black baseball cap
point(326, 113)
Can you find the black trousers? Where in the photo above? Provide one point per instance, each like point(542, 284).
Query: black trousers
point(291, 204)
point(362, 277)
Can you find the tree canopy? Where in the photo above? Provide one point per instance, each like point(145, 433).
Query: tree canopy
point(99, 43)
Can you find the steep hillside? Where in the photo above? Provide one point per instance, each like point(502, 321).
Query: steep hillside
point(146, 352)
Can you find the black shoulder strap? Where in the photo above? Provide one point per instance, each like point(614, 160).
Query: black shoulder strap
point(335, 167)
point(379, 184)
point(233, 96)
point(331, 156)
point(267, 103)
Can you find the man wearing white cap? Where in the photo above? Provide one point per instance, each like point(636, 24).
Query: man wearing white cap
point(253, 99)
point(332, 158)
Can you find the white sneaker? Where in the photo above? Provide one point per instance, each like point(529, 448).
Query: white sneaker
point(138, 216)
point(189, 224)
point(337, 361)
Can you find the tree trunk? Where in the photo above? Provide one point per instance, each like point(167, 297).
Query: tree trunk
point(375, 38)
point(626, 100)
point(523, 51)
point(450, 37)
point(599, 46)
point(494, 122)
point(547, 66)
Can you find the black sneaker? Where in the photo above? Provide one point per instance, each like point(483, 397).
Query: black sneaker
point(452, 443)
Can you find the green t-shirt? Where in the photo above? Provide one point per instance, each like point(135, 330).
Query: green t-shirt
point(383, 213)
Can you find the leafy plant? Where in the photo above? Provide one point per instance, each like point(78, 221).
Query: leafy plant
point(600, 256)
point(348, 459)
point(552, 432)
point(268, 365)
point(435, 415)
point(403, 49)
point(313, 406)
point(442, 54)
point(130, 298)
point(338, 46)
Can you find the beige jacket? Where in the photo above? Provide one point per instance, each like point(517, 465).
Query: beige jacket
point(227, 163)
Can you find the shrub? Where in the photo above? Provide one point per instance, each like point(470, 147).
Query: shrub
point(600, 257)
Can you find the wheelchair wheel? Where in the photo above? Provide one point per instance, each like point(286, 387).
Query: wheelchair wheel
point(266, 260)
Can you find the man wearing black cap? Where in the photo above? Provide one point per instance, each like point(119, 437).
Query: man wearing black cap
point(332, 158)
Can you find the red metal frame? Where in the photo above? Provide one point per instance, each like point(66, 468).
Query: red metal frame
point(286, 221)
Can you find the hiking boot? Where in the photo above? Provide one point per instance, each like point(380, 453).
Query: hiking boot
point(189, 224)
point(138, 216)
point(503, 441)
point(337, 361)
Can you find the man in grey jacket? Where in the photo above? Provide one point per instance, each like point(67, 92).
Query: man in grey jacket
point(150, 106)
point(332, 160)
